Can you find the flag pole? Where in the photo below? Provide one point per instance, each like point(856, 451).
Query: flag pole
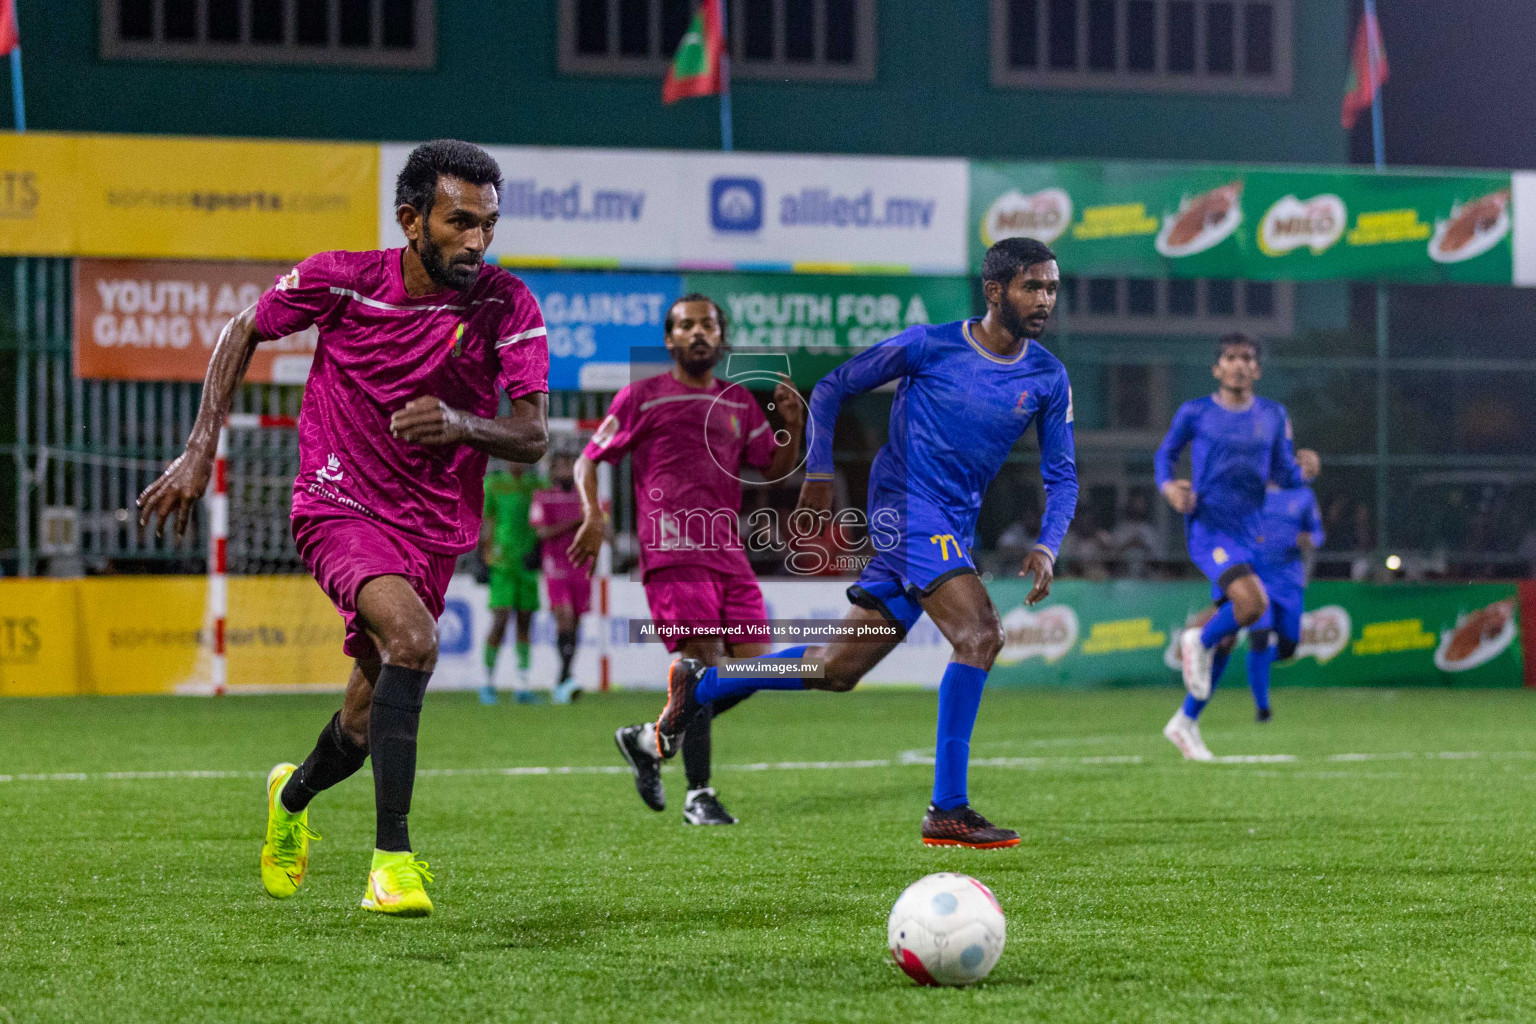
point(726, 141)
point(1383, 347)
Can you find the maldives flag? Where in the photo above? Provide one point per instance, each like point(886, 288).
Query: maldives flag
point(9, 39)
point(695, 69)
point(1361, 86)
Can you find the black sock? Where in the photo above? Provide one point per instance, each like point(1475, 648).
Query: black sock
point(696, 748)
point(392, 724)
point(565, 643)
point(334, 759)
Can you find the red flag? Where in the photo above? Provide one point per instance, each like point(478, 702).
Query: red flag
point(9, 38)
point(1360, 88)
point(695, 69)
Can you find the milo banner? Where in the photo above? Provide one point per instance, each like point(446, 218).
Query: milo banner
point(820, 320)
point(1259, 223)
point(1352, 635)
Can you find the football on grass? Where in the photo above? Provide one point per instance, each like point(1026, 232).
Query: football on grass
point(946, 929)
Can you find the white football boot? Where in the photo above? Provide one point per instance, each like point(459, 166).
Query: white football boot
point(1198, 660)
point(1184, 733)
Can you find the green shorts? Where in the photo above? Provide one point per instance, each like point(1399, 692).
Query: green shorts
point(517, 589)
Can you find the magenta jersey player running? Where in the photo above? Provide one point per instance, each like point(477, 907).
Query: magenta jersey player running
point(689, 445)
point(364, 503)
point(380, 348)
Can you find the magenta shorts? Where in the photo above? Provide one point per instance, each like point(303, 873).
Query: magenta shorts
point(692, 595)
point(572, 590)
point(344, 551)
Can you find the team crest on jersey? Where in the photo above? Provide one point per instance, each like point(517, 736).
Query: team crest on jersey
point(1219, 556)
point(288, 280)
point(1019, 406)
point(606, 431)
point(457, 338)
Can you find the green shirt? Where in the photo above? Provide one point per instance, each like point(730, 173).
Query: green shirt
point(507, 499)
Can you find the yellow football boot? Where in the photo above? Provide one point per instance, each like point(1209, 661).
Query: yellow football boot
point(396, 885)
point(285, 854)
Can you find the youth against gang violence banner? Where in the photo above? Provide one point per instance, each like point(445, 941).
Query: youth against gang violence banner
point(160, 319)
point(1259, 223)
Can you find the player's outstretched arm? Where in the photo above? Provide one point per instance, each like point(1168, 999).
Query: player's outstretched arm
point(173, 495)
point(589, 535)
point(522, 436)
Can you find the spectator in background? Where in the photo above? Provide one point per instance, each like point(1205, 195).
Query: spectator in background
point(1134, 539)
point(1086, 546)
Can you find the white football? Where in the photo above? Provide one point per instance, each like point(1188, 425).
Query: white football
point(946, 929)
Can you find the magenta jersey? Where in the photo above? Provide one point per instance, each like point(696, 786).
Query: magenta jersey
point(689, 447)
point(555, 507)
point(380, 348)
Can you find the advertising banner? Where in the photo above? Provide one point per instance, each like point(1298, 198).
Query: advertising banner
point(159, 320)
point(39, 639)
point(224, 198)
point(821, 320)
point(1260, 223)
point(195, 198)
point(596, 322)
point(1352, 635)
point(653, 209)
point(38, 194)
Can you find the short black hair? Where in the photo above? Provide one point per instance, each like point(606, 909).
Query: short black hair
point(697, 297)
point(416, 186)
point(1239, 339)
point(1005, 259)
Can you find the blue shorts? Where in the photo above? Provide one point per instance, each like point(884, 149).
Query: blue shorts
point(1221, 556)
point(1286, 586)
point(914, 555)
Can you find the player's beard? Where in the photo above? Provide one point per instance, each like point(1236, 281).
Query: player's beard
point(458, 275)
point(698, 365)
point(1015, 323)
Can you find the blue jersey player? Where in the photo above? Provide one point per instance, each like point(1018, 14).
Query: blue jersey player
point(1289, 524)
point(966, 392)
point(1238, 443)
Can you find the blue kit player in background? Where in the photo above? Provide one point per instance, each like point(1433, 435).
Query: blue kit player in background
point(968, 391)
point(1290, 525)
point(1238, 443)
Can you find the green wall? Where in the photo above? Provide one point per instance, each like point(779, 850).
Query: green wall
point(496, 81)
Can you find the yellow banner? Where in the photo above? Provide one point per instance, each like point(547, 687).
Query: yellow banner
point(164, 197)
point(39, 195)
point(283, 631)
point(39, 628)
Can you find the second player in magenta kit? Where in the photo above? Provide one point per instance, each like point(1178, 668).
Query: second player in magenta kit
point(690, 436)
point(554, 514)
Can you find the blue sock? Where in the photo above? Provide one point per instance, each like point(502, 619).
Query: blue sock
point(1193, 707)
point(1258, 674)
point(712, 687)
point(959, 698)
point(1222, 625)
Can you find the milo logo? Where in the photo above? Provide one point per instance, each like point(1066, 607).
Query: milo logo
point(1291, 223)
point(1047, 634)
point(1324, 633)
point(1042, 215)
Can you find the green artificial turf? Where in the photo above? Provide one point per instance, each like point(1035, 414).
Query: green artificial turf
point(1391, 888)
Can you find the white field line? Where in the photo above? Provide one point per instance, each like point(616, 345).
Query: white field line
point(905, 759)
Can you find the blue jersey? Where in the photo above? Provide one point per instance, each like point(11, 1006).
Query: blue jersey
point(1288, 513)
point(1235, 455)
point(959, 410)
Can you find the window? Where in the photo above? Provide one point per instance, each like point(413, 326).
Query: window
point(1138, 305)
point(359, 33)
point(823, 40)
point(1209, 46)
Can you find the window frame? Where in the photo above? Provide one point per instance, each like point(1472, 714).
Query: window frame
point(1280, 323)
point(422, 56)
point(1160, 79)
point(615, 65)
